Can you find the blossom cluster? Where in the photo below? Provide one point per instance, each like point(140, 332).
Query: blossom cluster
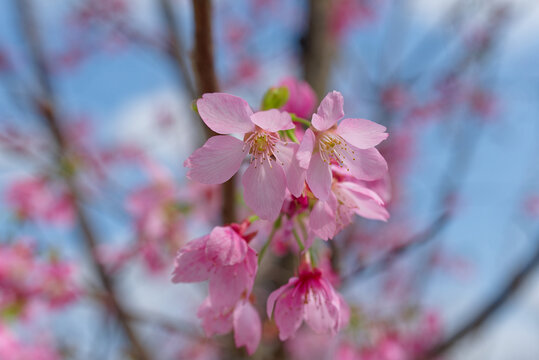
point(304, 180)
point(27, 280)
point(12, 348)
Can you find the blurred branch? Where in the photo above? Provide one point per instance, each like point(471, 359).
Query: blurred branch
point(415, 241)
point(176, 49)
point(206, 80)
point(318, 49)
point(146, 317)
point(45, 104)
point(509, 290)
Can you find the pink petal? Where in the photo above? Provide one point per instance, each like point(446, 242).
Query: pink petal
point(362, 190)
point(322, 219)
point(191, 264)
point(275, 295)
point(288, 313)
point(216, 161)
point(225, 114)
point(344, 313)
point(229, 284)
point(272, 120)
point(329, 111)
point(295, 175)
point(225, 246)
point(264, 189)
point(319, 177)
point(305, 150)
point(371, 210)
point(247, 327)
point(321, 313)
point(367, 164)
point(362, 133)
point(214, 321)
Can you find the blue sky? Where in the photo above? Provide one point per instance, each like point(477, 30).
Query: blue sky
point(121, 91)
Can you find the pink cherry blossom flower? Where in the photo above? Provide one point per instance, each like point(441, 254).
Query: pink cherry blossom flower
point(264, 181)
point(159, 226)
point(158, 219)
point(301, 97)
point(350, 144)
point(27, 280)
point(242, 317)
point(37, 198)
point(57, 287)
point(225, 259)
point(309, 297)
point(348, 196)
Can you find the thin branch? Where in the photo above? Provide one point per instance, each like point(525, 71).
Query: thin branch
point(46, 106)
point(206, 80)
point(176, 47)
point(415, 241)
point(506, 293)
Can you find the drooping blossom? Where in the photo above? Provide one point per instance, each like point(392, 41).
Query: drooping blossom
point(37, 198)
point(225, 259)
point(242, 317)
point(264, 181)
point(350, 144)
point(348, 197)
point(301, 97)
point(309, 297)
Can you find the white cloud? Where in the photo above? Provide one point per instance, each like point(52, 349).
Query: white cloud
point(138, 123)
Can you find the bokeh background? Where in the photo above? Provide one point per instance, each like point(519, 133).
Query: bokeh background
point(455, 82)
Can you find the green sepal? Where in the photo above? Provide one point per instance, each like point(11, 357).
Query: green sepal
point(275, 98)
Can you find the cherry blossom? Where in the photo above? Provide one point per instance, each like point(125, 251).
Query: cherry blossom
point(37, 198)
point(301, 97)
point(225, 259)
point(350, 144)
point(348, 196)
point(242, 317)
point(264, 181)
point(309, 297)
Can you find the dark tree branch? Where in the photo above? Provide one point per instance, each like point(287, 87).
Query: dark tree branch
point(509, 290)
point(206, 80)
point(318, 49)
point(45, 104)
point(203, 61)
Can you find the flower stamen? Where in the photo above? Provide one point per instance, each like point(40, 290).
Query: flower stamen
point(333, 149)
point(261, 146)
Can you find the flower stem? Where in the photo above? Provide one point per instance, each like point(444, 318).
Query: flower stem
point(300, 120)
point(276, 226)
point(298, 240)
